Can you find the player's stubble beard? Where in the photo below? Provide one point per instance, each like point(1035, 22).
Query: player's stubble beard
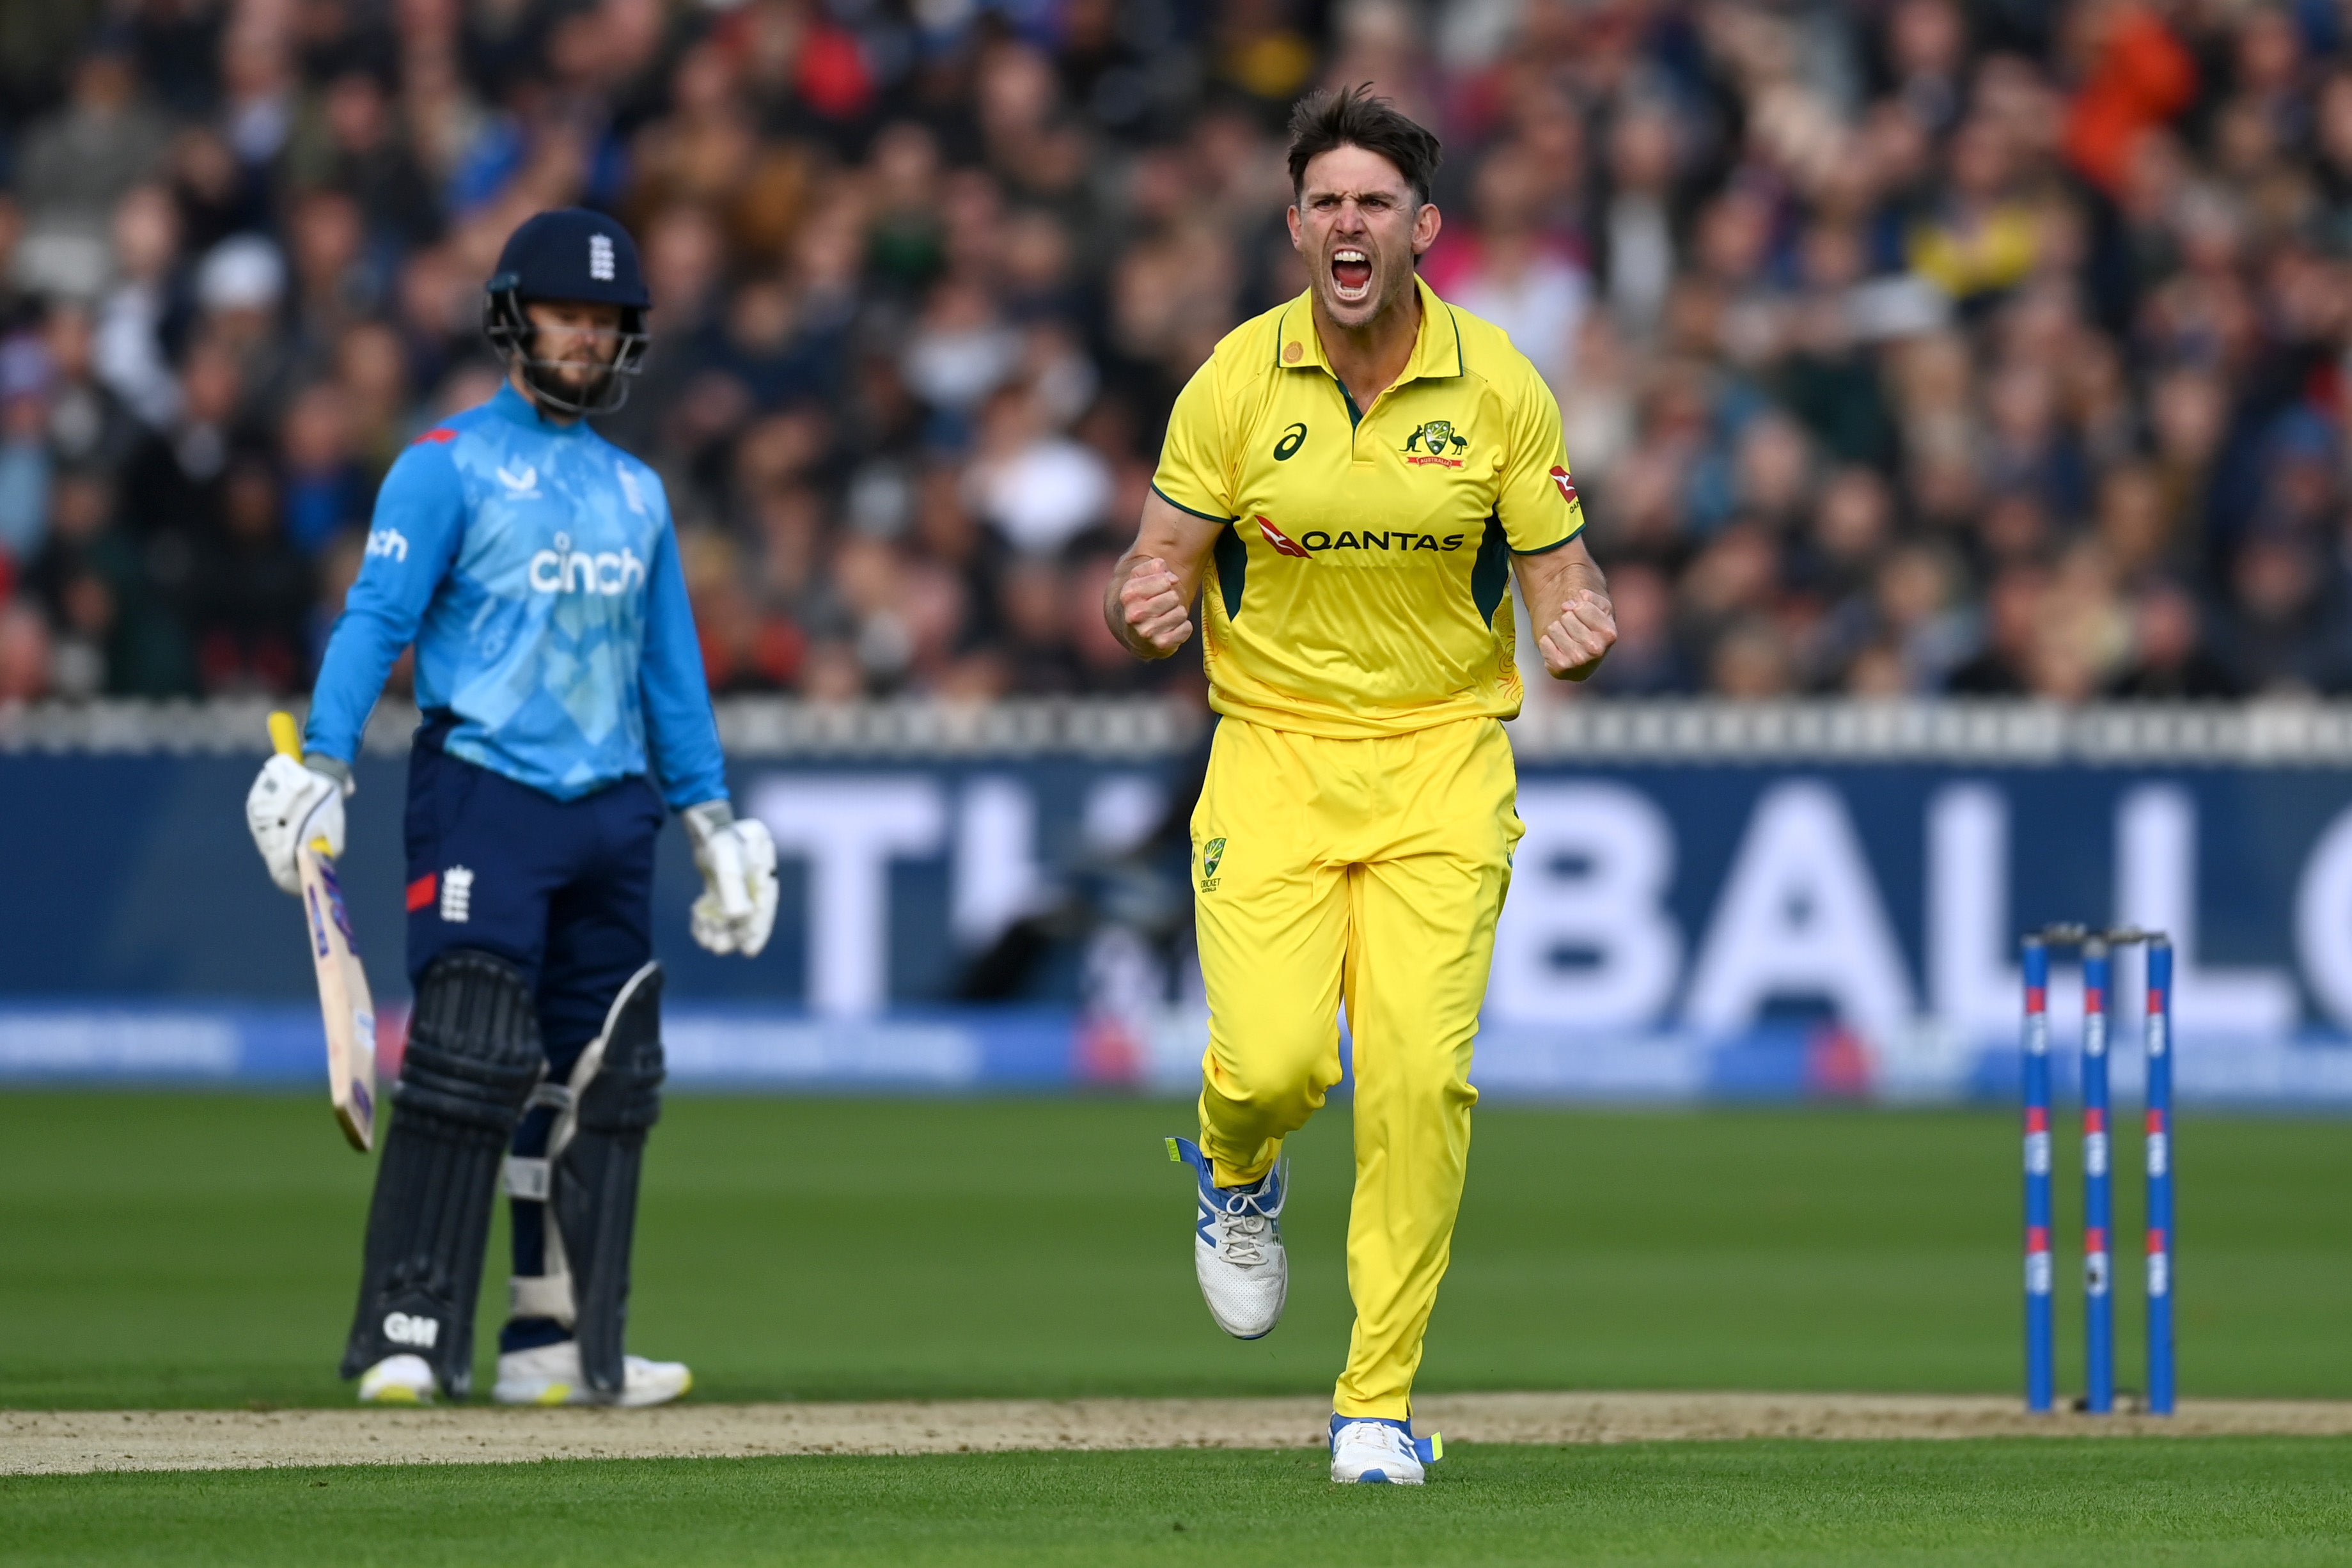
point(577, 377)
point(582, 384)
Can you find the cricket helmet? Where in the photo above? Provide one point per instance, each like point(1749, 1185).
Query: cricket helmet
point(569, 254)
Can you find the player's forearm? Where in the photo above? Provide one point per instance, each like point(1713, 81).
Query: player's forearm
point(682, 743)
point(1147, 604)
point(1573, 577)
point(682, 731)
point(360, 655)
point(1568, 601)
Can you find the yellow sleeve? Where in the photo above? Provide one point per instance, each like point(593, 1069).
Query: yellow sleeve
point(1537, 501)
point(1195, 474)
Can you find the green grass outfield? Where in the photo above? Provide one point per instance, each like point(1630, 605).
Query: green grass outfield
point(2269, 1501)
point(202, 1250)
point(196, 1249)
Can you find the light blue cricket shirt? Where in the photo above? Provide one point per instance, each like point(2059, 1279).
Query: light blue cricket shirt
point(534, 566)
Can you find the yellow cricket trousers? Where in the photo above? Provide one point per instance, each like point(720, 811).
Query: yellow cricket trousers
point(1372, 871)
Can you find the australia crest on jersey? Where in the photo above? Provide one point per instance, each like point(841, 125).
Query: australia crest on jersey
point(1435, 442)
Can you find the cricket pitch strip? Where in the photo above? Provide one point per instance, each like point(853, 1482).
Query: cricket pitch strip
point(61, 1442)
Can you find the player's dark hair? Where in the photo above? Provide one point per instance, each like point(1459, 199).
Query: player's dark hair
point(1355, 117)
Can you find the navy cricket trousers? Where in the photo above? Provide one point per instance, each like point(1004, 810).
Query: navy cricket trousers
point(562, 889)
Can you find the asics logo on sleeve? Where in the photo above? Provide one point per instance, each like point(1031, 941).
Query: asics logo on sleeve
point(565, 570)
point(388, 542)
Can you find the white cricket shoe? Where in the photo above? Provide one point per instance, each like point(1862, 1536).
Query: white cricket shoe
point(399, 1380)
point(551, 1375)
point(1237, 1252)
point(1366, 1449)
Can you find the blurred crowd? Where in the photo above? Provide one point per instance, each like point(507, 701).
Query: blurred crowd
point(1905, 346)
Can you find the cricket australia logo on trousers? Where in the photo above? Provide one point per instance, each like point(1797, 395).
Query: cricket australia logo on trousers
point(1213, 855)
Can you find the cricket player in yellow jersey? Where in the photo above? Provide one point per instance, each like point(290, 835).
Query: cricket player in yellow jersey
point(1348, 487)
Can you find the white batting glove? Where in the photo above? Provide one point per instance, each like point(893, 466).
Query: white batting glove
point(291, 804)
point(738, 861)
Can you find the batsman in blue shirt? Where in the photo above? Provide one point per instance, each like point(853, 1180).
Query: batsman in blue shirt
point(533, 566)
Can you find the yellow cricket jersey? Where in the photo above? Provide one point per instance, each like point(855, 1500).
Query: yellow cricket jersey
point(1362, 586)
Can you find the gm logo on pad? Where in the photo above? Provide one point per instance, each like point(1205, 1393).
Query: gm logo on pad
point(402, 1328)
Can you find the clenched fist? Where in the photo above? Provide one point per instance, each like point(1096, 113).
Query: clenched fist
point(1153, 619)
point(1574, 642)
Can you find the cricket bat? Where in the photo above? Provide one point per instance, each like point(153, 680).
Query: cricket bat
point(343, 999)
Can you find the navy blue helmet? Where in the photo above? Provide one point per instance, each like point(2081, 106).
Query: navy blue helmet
point(569, 254)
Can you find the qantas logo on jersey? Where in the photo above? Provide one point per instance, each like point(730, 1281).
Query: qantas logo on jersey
point(1567, 486)
point(1307, 545)
point(1282, 542)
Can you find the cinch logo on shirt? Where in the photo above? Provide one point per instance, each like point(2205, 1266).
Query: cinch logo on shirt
point(565, 570)
point(388, 542)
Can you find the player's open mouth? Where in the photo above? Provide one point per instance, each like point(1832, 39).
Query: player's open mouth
point(1351, 274)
